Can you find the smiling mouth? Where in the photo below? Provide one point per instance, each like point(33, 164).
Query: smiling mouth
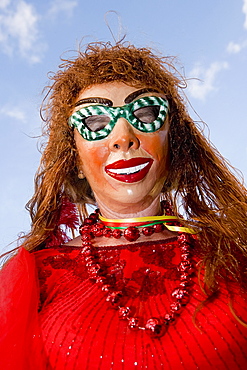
point(129, 170)
point(132, 170)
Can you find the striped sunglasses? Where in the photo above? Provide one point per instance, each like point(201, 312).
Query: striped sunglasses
point(95, 122)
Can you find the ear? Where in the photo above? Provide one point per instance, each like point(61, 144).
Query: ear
point(79, 167)
point(81, 175)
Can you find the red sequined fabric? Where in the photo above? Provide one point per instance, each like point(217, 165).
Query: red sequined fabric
point(80, 330)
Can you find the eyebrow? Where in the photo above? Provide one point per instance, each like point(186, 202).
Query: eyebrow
point(109, 103)
point(135, 94)
point(104, 101)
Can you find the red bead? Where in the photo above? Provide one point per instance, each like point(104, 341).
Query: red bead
point(106, 288)
point(155, 328)
point(158, 228)
point(133, 323)
point(186, 266)
point(169, 318)
point(114, 298)
point(86, 237)
point(88, 221)
point(98, 233)
point(124, 312)
point(89, 260)
point(185, 283)
point(184, 239)
point(148, 230)
point(87, 251)
point(151, 323)
point(131, 233)
point(94, 228)
point(181, 295)
point(107, 232)
point(85, 230)
point(99, 226)
point(94, 216)
point(92, 274)
point(184, 276)
point(116, 233)
point(100, 280)
point(167, 208)
point(98, 229)
point(86, 243)
point(93, 270)
point(185, 248)
point(175, 307)
point(185, 256)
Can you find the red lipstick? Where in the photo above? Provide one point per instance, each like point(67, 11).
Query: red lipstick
point(131, 170)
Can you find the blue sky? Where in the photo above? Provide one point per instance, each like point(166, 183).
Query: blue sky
point(209, 38)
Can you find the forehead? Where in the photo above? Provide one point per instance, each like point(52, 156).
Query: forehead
point(118, 93)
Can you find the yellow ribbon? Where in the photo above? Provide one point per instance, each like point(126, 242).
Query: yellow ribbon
point(149, 219)
point(181, 229)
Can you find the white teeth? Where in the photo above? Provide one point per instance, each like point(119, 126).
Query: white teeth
point(129, 170)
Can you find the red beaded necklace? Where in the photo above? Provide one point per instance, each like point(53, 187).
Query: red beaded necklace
point(156, 327)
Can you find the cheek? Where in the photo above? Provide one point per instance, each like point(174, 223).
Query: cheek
point(93, 156)
point(157, 146)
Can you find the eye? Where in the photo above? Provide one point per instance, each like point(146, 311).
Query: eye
point(96, 122)
point(147, 114)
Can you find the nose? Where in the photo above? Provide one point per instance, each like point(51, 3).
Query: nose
point(123, 137)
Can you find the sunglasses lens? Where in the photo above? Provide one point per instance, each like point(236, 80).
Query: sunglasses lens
point(147, 114)
point(96, 122)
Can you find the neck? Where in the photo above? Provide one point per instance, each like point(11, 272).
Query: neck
point(153, 209)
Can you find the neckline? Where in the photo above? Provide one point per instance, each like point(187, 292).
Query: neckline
point(128, 245)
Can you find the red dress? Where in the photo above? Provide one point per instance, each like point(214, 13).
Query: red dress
point(77, 329)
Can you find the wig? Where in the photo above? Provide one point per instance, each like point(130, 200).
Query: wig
point(213, 200)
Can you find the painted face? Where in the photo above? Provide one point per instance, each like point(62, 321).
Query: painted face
point(125, 168)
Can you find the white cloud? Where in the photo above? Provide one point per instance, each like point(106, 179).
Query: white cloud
point(245, 12)
point(4, 3)
point(19, 30)
point(14, 112)
point(58, 6)
point(203, 81)
point(234, 48)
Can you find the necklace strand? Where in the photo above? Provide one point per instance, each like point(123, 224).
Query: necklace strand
point(156, 327)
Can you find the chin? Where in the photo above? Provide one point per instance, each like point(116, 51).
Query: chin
point(134, 198)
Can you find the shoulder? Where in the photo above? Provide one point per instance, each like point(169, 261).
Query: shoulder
point(56, 267)
point(64, 257)
point(18, 289)
point(20, 265)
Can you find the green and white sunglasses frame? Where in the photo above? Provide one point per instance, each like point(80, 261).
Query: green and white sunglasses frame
point(114, 113)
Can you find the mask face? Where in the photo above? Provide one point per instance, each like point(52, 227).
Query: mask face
point(95, 122)
point(127, 166)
